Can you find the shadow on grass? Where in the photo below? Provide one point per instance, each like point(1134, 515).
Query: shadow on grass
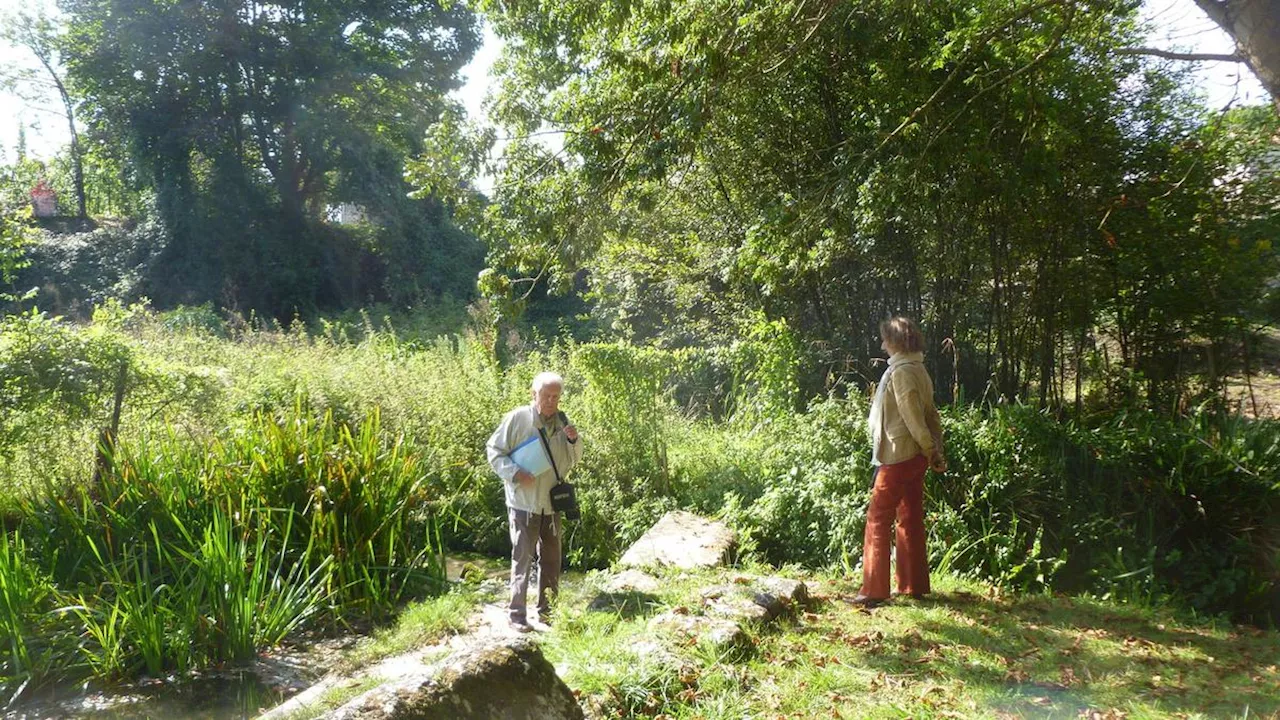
point(1061, 657)
point(627, 604)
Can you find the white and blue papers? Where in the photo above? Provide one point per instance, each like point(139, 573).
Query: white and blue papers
point(531, 456)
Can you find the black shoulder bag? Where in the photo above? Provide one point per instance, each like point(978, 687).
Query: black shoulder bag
point(563, 496)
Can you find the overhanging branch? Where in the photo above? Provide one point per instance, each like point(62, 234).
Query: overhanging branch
point(1168, 55)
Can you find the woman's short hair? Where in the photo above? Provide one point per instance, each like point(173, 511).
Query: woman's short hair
point(544, 379)
point(902, 333)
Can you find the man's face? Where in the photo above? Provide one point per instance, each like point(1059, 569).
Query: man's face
point(547, 400)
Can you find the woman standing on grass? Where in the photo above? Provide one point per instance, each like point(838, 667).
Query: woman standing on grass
point(906, 439)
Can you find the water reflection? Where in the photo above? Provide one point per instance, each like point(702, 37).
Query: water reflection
point(226, 696)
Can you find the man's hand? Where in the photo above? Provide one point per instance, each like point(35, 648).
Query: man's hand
point(524, 477)
point(571, 432)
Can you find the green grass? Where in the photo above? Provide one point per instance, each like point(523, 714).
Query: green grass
point(967, 652)
point(187, 553)
point(334, 698)
point(420, 624)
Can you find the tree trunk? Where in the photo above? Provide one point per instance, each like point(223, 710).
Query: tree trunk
point(77, 167)
point(1080, 373)
point(1255, 26)
point(1248, 373)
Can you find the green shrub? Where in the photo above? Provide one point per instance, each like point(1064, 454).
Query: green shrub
point(73, 272)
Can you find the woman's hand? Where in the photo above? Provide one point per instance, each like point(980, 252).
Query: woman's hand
point(938, 462)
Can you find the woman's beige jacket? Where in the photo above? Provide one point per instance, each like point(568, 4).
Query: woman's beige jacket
point(911, 424)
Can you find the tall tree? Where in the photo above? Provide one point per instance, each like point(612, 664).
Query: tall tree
point(825, 164)
point(248, 117)
point(38, 34)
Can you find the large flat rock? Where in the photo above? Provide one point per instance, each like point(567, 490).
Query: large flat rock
point(683, 540)
point(505, 679)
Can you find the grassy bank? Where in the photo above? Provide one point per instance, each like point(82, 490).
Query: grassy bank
point(970, 651)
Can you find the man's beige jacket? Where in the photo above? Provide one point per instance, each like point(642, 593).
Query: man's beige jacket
point(519, 425)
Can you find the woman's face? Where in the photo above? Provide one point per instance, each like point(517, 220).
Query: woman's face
point(888, 347)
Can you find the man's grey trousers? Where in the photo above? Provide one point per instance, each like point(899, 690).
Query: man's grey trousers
point(533, 534)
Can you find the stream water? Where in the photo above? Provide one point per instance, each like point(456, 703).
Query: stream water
point(225, 696)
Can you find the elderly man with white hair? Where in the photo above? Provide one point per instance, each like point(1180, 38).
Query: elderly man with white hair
point(535, 527)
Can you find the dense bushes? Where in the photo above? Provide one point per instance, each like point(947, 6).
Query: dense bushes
point(77, 270)
point(411, 259)
point(1125, 504)
point(1129, 504)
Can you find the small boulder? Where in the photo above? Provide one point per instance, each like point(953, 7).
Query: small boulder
point(755, 599)
point(632, 581)
point(628, 593)
point(734, 601)
point(720, 632)
point(793, 592)
point(653, 651)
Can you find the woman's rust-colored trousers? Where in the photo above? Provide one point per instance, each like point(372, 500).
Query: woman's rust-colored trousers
point(899, 490)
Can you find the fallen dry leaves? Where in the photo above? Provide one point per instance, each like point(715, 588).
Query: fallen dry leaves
point(1112, 714)
point(885, 681)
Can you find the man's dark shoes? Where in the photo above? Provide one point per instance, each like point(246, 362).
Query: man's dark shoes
point(867, 602)
point(520, 626)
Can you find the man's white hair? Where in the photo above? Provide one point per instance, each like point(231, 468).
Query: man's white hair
point(544, 379)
